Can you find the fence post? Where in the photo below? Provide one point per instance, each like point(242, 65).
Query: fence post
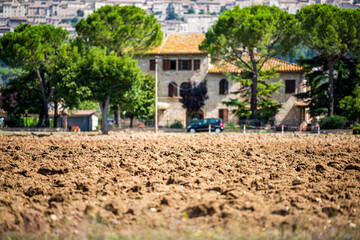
point(282, 129)
point(244, 128)
point(293, 125)
point(209, 128)
point(319, 129)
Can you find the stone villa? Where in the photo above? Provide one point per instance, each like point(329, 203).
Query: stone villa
point(180, 62)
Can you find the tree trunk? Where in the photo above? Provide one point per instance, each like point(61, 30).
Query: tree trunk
point(44, 116)
point(131, 122)
point(104, 106)
point(254, 79)
point(117, 116)
point(331, 88)
point(41, 118)
point(55, 114)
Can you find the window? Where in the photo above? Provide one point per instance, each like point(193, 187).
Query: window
point(152, 64)
point(224, 115)
point(290, 86)
point(224, 87)
point(173, 89)
point(169, 65)
point(185, 64)
point(197, 64)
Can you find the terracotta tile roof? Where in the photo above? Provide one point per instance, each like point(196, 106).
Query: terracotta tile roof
point(188, 43)
point(283, 66)
point(180, 43)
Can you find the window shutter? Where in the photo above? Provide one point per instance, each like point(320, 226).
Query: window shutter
point(189, 64)
point(226, 87)
point(196, 64)
point(166, 65)
point(290, 86)
point(223, 114)
point(180, 64)
point(152, 64)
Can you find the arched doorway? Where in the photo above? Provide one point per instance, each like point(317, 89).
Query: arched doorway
point(194, 116)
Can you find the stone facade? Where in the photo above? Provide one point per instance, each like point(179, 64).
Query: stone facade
point(173, 110)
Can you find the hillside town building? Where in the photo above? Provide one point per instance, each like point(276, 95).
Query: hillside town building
point(180, 61)
point(175, 16)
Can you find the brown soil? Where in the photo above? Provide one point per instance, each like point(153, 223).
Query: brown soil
point(61, 182)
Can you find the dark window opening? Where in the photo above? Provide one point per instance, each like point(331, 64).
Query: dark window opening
point(152, 64)
point(224, 87)
point(290, 86)
point(172, 65)
point(185, 64)
point(169, 65)
point(196, 64)
point(173, 89)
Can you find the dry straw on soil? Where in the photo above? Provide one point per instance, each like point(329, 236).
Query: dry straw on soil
point(180, 186)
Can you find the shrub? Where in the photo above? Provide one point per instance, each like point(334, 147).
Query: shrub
point(176, 124)
point(29, 122)
point(333, 122)
point(231, 125)
point(356, 130)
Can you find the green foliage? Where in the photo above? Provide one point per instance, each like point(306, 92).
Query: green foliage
point(74, 21)
point(222, 9)
point(32, 48)
point(21, 94)
point(247, 38)
point(230, 125)
point(332, 33)
point(120, 29)
point(65, 74)
point(107, 75)
point(202, 11)
point(23, 122)
point(345, 81)
point(267, 107)
point(351, 104)
point(191, 11)
point(356, 130)
point(29, 122)
point(139, 101)
point(88, 105)
point(171, 13)
point(80, 13)
point(333, 122)
point(176, 124)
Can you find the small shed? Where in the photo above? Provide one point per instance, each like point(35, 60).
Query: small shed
point(87, 120)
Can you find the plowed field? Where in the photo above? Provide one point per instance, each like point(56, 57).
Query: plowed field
point(258, 182)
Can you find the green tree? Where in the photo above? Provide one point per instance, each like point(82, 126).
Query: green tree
point(191, 11)
point(248, 37)
point(332, 33)
point(31, 48)
point(124, 30)
point(64, 74)
point(80, 13)
point(120, 29)
point(21, 94)
point(139, 101)
point(172, 15)
point(268, 107)
point(222, 9)
point(107, 77)
point(351, 105)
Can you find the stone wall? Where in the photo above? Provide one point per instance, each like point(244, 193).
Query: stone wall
point(175, 111)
